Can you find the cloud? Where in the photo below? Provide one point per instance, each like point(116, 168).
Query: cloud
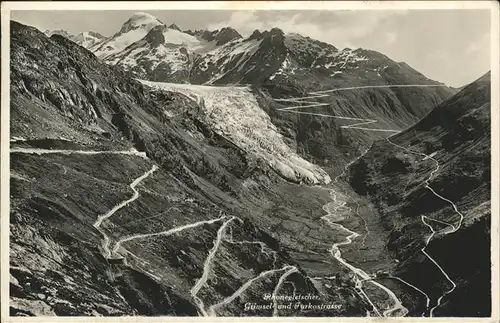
point(340, 28)
point(479, 44)
point(446, 45)
point(391, 37)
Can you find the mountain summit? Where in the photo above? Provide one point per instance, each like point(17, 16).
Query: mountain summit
point(280, 65)
point(271, 164)
point(140, 20)
point(132, 30)
point(86, 39)
point(174, 26)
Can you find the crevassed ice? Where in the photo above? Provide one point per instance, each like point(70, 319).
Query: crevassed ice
point(234, 112)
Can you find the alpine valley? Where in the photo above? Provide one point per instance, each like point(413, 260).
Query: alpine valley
point(202, 173)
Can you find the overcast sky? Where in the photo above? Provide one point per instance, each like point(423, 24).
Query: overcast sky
point(451, 46)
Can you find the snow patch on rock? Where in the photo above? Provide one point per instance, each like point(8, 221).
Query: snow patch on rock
point(132, 30)
point(235, 54)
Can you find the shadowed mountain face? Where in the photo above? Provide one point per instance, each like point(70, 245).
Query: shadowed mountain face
point(149, 49)
point(86, 39)
point(291, 66)
point(282, 65)
point(323, 132)
point(77, 125)
point(136, 197)
point(450, 148)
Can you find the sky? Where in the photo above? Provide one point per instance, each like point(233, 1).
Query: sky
point(450, 46)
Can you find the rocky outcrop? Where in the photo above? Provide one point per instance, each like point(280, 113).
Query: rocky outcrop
point(225, 35)
point(175, 27)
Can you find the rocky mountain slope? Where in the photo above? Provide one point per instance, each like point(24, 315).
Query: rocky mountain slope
point(164, 53)
point(222, 36)
point(86, 39)
point(109, 178)
point(152, 50)
point(282, 66)
point(134, 29)
point(234, 113)
point(132, 170)
point(436, 175)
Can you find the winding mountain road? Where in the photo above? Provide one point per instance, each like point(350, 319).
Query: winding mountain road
point(277, 288)
point(332, 213)
point(207, 267)
point(332, 208)
point(376, 87)
point(41, 151)
point(344, 172)
point(427, 299)
point(100, 218)
point(325, 93)
point(438, 303)
point(169, 232)
point(425, 218)
point(212, 309)
point(287, 268)
point(262, 245)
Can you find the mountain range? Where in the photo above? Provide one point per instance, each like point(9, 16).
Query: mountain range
point(279, 66)
point(167, 172)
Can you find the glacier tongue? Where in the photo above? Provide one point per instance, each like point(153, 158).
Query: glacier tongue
point(233, 112)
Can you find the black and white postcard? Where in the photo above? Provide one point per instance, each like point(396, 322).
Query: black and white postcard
point(253, 159)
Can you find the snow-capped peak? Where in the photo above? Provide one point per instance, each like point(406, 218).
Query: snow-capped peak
point(88, 34)
point(140, 20)
point(134, 29)
point(293, 35)
point(174, 26)
point(88, 39)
